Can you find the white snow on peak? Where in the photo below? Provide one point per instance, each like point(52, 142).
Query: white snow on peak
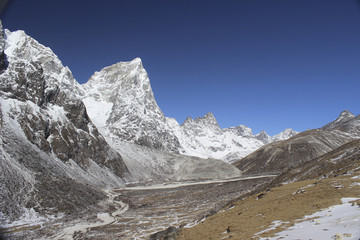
point(129, 111)
point(23, 50)
point(120, 102)
point(137, 60)
point(287, 133)
point(343, 117)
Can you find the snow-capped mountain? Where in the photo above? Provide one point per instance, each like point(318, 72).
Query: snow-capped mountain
point(286, 134)
point(203, 137)
point(120, 101)
point(346, 122)
point(343, 117)
point(53, 159)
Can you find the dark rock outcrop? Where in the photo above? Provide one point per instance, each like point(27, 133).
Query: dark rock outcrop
point(2, 48)
point(53, 159)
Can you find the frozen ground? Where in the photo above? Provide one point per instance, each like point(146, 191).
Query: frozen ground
point(337, 222)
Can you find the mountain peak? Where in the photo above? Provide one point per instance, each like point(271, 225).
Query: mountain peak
point(187, 120)
point(209, 116)
point(208, 119)
point(121, 79)
point(287, 133)
point(344, 116)
point(263, 136)
point(136, 60)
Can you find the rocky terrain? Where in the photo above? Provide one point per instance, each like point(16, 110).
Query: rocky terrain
point(303, 147)
point(306, 196)
point(120, 101)
point(55, 162)
point(139, 211)
point(53, 159)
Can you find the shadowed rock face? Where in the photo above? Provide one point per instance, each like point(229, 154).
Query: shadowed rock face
point(306, 146)
point(58, 122)
point(2, 48)
point(53, 157)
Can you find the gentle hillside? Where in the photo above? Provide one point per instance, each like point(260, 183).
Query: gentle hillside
point(301, 191)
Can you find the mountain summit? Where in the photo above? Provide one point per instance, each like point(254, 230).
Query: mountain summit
point(343, 117)
point(52, 155)
point(120, 101)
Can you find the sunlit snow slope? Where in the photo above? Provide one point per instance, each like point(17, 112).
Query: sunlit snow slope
point(120, 101)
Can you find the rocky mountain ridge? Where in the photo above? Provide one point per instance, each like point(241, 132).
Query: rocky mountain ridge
point(53, 159)
point(303, 147)
point(122, 105)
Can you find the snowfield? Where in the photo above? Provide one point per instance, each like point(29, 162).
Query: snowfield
point(337, 222)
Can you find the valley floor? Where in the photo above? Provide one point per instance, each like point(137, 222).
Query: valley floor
point(136, 212)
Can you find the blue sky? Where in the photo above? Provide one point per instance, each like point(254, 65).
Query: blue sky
point(267, 64)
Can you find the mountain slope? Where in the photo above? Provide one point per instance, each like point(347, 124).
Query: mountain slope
point(265, 214)
point(314, 187)
point(53, 160)
point(276, 157)
point(340, 161)
point(148, 164)
point(120, 101)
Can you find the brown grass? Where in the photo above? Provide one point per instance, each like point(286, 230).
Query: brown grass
point(286, 203)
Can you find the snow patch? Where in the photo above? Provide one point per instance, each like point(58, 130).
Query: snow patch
point(339, 220)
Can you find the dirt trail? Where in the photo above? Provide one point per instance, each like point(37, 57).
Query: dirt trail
point(105, 218)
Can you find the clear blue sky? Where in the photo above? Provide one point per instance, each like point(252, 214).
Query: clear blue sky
point(267, 64)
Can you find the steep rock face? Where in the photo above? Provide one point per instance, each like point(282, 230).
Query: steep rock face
point(346, 122)
point(2, 49)
point(203, 137)
point(47, 139)
point(343, 118)
point(54, 118)
point(264, 137)
point(120, 100)
point(303, 147)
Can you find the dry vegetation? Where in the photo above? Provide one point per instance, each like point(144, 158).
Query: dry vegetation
point(286, 203)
